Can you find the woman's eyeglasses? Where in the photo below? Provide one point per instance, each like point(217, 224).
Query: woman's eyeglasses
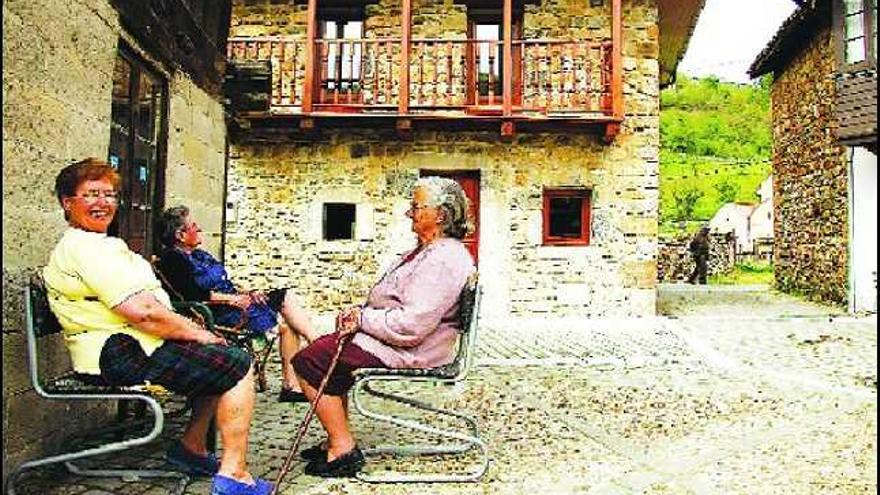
point(414, 207)
point(194, 227)
point(92, 196)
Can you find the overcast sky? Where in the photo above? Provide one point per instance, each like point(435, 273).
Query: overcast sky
point(730, 34)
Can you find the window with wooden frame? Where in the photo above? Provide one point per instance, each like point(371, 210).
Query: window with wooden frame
point(856, 24)
point(340, 53)
point(138, 134)
point(485, 58)
point(567, 217)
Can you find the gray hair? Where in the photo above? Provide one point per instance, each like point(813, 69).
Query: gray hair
point(448, 195)
point(172, 220)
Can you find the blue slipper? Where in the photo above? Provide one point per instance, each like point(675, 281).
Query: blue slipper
point(191, 463)
point(224, 485)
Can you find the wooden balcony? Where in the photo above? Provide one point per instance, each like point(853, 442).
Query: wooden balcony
point(408, 79)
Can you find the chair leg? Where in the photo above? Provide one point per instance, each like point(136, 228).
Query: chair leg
point(127, 475)
point(469, 441)
point(132, 475)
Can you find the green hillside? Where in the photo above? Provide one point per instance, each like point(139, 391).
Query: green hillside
point(715, 147)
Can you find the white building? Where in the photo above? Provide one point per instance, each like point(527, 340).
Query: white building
point(748, 221)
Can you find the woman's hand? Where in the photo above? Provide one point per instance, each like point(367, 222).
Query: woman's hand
point(258, 297)
point(241, 301)
point(209, 338)
point(348, 321)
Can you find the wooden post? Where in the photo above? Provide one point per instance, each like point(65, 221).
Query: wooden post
point(309, 82)
point(406, 20)
point(507, 75)
point(613, 128)
point(616, 59)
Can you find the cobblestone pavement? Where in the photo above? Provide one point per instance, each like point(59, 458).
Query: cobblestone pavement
point(730, 391)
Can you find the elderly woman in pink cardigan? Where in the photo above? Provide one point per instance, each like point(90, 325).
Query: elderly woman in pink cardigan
point(408, 321)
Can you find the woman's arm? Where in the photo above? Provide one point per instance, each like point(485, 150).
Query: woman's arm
point(144, 312)
point(241, 301)
point(425, 297)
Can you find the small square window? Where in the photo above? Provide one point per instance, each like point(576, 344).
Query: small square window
point(567, 217)
point(338, 221)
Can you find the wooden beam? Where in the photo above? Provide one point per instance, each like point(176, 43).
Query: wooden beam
point(311, 33)
point(508, 130)
point(406, 35)
point(612, 129)
point(404, 129)
point(507, 75)
point(616, 59)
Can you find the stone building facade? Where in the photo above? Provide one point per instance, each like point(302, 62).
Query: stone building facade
point(823, 107)
point(58, 72)
point(810, 173)
point(280, 180)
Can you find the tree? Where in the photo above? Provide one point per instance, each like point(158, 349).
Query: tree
point(685, 202)
point(727, 191)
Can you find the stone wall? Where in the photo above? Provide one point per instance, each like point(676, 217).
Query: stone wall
point(277, 188)
point(57, 76)
point(675, 263)
point(810, 178)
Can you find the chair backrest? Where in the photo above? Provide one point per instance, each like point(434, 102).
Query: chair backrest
point(175, 295)
point(40, 321)
point(468, 317)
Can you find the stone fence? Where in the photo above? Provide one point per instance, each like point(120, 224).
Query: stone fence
point(675, 264)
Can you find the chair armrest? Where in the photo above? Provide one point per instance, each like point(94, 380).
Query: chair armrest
point(198, 309)
point(242, 321)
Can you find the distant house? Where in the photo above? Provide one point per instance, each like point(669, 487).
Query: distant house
point(761, 218)
point(824, 102)
point(734, 217)
point(750, 223)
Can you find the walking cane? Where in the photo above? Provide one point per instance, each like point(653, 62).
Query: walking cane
point(304, 424)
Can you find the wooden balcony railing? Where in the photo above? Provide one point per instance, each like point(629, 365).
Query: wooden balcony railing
point(549, 77)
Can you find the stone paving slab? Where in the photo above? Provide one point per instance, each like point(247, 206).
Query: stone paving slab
point(722, 397)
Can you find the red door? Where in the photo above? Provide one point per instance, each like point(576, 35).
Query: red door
point(470, 182)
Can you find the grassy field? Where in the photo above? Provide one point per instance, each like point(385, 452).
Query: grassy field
point(717, 181)
point(715, 147)
point(754, 273)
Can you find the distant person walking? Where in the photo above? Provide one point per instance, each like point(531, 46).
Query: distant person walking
point(699, 248)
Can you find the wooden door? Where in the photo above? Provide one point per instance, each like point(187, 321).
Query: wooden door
point(470, 182)
point(136, 139)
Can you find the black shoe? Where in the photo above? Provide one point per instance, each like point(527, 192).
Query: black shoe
point(316, 452)
point(343, 466)
point(288, 395)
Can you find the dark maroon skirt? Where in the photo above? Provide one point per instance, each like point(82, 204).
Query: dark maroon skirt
point(312, 363)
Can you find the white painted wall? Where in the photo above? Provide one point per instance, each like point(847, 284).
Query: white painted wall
point(734, 217)
point(863, 230)
point(765, 190)
point(761, 221)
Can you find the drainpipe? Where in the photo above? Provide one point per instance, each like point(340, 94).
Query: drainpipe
point(225, 195)
point(850, 278)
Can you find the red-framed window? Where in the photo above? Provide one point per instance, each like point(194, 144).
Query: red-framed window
point(567, 217)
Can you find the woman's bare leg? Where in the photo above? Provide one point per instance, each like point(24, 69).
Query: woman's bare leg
point(332, 415)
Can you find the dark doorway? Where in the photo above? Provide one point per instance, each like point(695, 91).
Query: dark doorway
point(137, 148)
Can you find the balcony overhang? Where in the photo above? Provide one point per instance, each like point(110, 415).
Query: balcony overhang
point(265, 124)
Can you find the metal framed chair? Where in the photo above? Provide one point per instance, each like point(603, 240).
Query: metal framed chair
point(456, 371)
point(40, 322)
point(258, 346)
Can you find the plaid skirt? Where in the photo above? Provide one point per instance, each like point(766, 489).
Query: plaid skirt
point(187, 368)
